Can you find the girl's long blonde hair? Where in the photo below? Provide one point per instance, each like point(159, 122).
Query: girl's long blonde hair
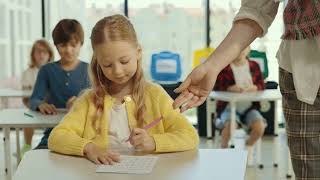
point(106, 30)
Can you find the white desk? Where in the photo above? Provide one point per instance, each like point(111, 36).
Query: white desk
point(15, 118)
point(7, 93)
point(205, 164)
point(233, 98)
point(12, 93)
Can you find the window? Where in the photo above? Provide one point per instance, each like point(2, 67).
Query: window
point(222, 14)
point(87, 12)
point(180, 24)
point(18, 34)
point(221, 17)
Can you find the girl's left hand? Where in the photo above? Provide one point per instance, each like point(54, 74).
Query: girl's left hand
point(141, 140)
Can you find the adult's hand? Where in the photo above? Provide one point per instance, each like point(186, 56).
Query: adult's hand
point(196, 88)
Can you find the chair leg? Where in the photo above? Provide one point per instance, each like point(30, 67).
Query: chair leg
point(210, 109)
point(289, 170)
point(276, 152)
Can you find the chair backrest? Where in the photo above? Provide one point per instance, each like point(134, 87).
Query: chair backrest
point(169, 88)
point(261, 58)
point(200, 55)
point(166, 67)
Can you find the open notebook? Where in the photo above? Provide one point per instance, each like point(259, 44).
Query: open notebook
point(130, 165)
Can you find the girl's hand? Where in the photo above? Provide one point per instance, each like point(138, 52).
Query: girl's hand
point(235, 89)
point(26, 87)
point(46, 108)
point(70, 102)
point(100, 156)
point(141, 140)
point(252, 88)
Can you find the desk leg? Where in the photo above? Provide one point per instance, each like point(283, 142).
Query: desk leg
point(233, 122)
point(276, 117)
point(18, 145)
point(7, 153)
point(209, 122)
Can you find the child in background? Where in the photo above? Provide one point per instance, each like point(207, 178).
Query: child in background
point(58, 83)
point(111, 117)
point(41, 53)
point(242, 75)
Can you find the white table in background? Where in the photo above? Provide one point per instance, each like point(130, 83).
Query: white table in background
point(15, 118)
point(5, 94)
point(203, 164)
point(233, 98)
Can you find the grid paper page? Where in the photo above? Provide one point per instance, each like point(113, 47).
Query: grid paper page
point(130, 165)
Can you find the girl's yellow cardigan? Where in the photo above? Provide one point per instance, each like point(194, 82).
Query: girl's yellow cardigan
point(173, 133)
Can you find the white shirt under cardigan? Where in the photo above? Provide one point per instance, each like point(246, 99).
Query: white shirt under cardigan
point(119, 130)
point(300, 57)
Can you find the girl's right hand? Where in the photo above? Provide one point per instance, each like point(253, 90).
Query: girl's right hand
point(100, 156)
point(46, 108)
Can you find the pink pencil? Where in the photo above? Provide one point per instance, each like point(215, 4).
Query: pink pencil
point(150, 125)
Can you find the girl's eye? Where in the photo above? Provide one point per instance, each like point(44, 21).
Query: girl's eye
point(124, 62)
point(107, 66)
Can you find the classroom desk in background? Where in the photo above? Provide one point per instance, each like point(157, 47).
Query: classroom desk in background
point(7, 93)
point(233, 99)
point(16, 118)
